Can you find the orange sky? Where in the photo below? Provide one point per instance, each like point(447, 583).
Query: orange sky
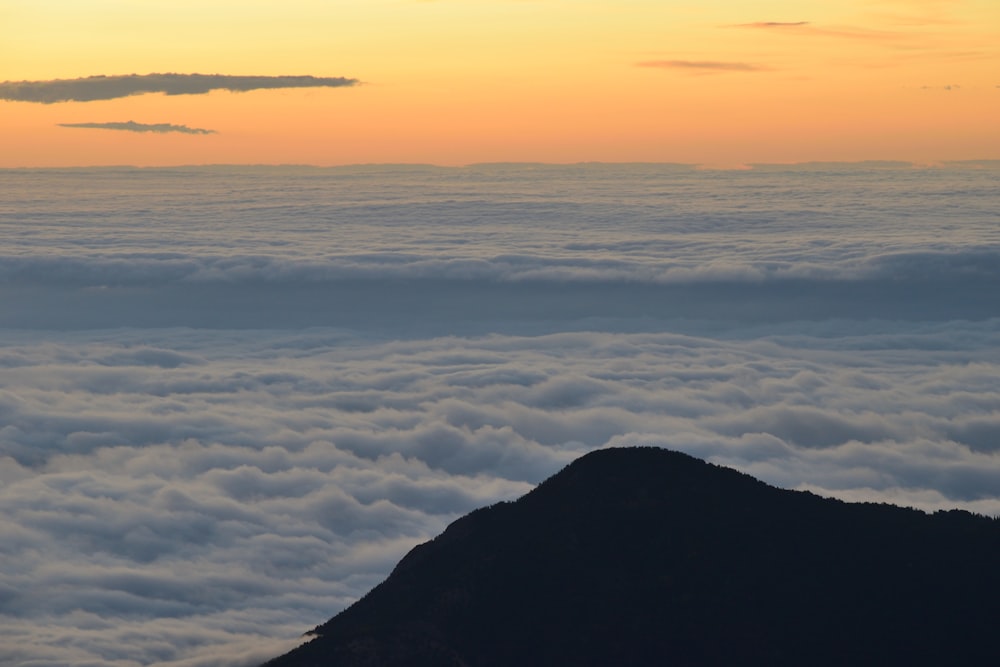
point(717, 82)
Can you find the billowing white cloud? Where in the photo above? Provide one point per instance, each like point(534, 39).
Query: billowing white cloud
point(264, 483)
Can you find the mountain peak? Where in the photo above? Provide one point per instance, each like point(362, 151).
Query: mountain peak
point(640, 556)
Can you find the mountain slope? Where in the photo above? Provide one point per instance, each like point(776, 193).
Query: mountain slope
point(643, 556)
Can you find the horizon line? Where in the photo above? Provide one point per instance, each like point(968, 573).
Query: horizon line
point(692, 166)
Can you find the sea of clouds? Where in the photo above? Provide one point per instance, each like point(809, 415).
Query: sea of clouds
point(232, 398)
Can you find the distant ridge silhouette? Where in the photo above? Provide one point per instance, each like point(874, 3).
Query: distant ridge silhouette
point(643, 556)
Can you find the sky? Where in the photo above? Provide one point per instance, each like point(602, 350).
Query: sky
point(451, 82)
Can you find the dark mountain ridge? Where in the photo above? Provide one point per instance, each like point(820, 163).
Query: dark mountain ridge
point(643, 556)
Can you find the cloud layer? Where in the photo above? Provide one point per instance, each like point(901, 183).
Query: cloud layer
point(179, 494)
point(132, 126)
point(231, 399)
point(104, 87)
point(681, 247)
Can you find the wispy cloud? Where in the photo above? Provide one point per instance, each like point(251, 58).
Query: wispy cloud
point(702, 65)
point(103, 87)
point(807, 28)
point(773, 24)
point(132, 126)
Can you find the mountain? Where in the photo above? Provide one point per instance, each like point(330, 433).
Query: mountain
point(642, 556)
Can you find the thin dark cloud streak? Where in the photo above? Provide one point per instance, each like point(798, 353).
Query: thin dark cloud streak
point(773, 24)
point(809, 29)
point(701, 65)
point(132, 126)
point(102, 87)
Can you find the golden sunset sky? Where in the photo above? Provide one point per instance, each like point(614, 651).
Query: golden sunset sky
point(712, 82)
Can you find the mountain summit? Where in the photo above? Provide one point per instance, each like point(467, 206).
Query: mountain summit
point(642, 556)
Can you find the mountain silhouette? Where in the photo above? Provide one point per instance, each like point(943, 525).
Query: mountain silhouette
point(643, 556)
